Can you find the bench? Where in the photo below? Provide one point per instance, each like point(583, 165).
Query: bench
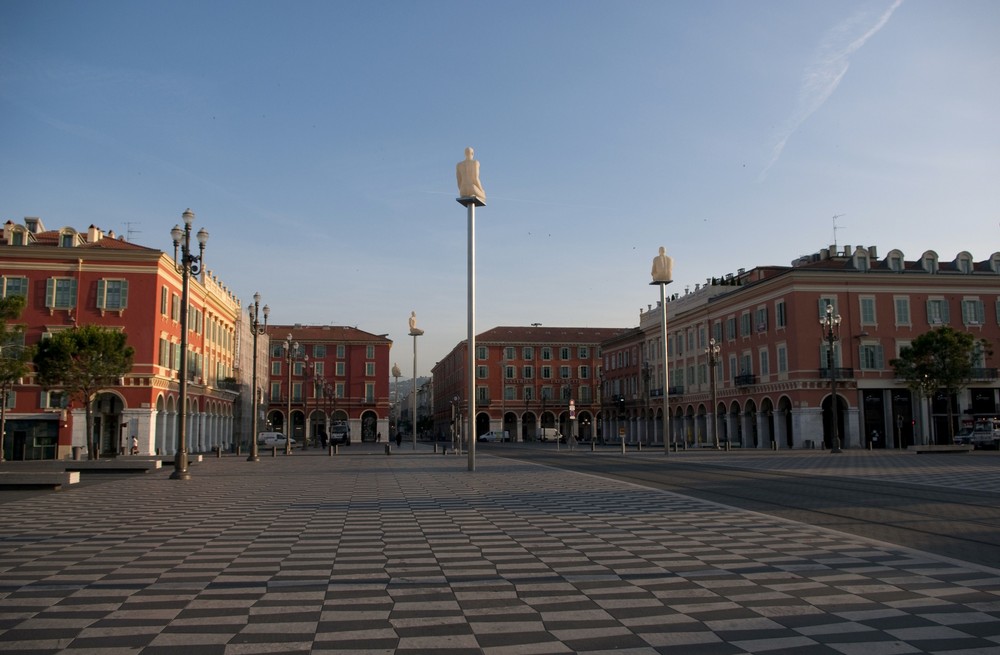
point(119, 465)
point(954, 448)
point(37, 479)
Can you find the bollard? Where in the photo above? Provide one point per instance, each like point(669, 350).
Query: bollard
point(218, 452)
point(638, 446)
point(684, 445)
point(727, 446)
point(623, 446)
point(330, 450)
point(774, 445)
point(592, 446)
point(387, 450)
point(435, 449)
point(274, 451)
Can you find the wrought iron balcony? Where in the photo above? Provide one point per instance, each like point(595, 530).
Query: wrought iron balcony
point(745, 380)
point(984, 374)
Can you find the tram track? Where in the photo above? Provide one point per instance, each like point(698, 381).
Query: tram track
point(961, 524)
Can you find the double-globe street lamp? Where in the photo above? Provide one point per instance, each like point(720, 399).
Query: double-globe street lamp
point(712, 350)
point(830, 324)
point(291, 349)
point(258, 329)
point(188, 265)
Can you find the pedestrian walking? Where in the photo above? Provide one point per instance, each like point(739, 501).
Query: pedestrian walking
point(399, 439)
point(135, 445)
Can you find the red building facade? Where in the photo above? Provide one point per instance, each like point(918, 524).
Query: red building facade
point(72, 278)
point(773, 376)
point(334, 373)
point(526, 378)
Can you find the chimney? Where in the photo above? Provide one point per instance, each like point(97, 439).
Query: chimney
point(94, 234)
point(872, 252)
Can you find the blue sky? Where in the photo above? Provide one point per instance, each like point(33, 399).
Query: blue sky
point(317, 143)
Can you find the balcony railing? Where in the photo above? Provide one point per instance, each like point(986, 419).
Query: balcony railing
point(745, 380)
point(842, 373)
point(984, 374)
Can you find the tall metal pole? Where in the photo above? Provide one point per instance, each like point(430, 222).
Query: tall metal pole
point(662, 275)
point(290, 349)
point(713, 354)
point(666, 374)
point(472, 196)
point(189, 265)
point(413, 391)
point(470, 395)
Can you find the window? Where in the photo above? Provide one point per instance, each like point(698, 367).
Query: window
point(482, 372)
point(564, 372)
point(163, 353)
point(297, 391)
point(782, 358)
point(827, 300)
point(730, 328)
point(175, 307)
point(745, 327)
point(528, 353)
point(11, 399)
point(937, 311)
point(564, 353)
point(546, 354)
point(902, 305)
point(717, 331)
point(973, 312)
point(482, 352)
point(765, 366)
point(780, 314)
point(275, 391)
point(584, 372)
point(54, 400)
point(509, 353)
point(319, 351)
point(871, 357)
point(529, 372)
point(529, 393)
point(509, 372)
point(929, 262)
point(112, 294)
point(546, 393)
point(13, 286)
point(583, 352)
point(298, 368)
point(60, 293)
point(964, 262)
point(369, 392)
point(546, 372)
point(370, 369)
point(338, 391)
point(340, 351)
point(760, 318)
point(66, 240)
point(824, 352)
point(868, 310)
point(509, 393)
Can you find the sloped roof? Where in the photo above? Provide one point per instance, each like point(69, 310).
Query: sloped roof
point(324, 333)
point(543, 334)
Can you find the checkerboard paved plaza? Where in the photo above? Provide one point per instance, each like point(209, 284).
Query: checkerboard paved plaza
point(414, 554)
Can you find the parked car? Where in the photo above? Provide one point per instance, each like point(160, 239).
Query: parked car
point(340, 433)
point(964, 437)
point(494, 435)
point(269, 439)
point(986, 434)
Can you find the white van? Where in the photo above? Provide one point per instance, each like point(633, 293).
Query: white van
point(268, 439)
point(495, 435)
point(550, 434)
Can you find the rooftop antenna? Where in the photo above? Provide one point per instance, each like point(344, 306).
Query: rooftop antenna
point(129, 231)
point(835, 228)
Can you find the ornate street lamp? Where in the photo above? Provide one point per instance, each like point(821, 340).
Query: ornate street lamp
point(257, 330)
point(662, 273)
point(291, 348)
point(712, 350)
point(395, 393)
point(830, 324)
point(188, 265)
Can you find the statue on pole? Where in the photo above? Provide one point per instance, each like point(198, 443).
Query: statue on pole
point(663, 268)
point(467, 172)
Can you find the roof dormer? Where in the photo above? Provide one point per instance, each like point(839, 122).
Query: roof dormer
point(929, 262)
point(68, 238)
point(896, 261)
point(963, 262)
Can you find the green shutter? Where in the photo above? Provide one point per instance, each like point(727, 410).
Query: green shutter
point(50, 292)
point(101, 291)
point(124, 299)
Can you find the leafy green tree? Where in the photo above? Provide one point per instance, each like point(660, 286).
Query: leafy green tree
point(942, 359)
point(14, 356)
point(81, 361)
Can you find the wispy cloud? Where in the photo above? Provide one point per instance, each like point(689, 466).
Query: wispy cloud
point(827, 69)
